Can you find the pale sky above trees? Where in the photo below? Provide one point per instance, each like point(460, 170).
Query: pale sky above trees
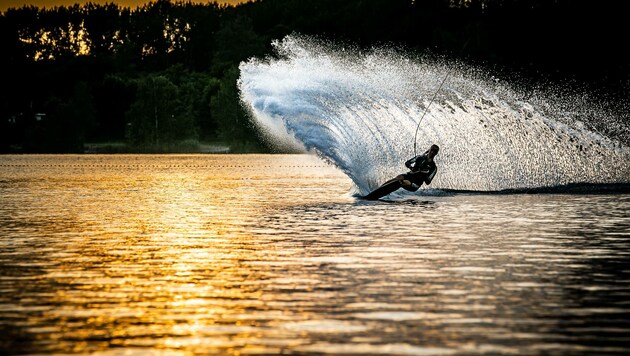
point(5, 4)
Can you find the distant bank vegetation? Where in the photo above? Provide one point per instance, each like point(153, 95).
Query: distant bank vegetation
point(162, 77)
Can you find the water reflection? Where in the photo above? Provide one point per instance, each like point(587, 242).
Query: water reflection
point(271, 254)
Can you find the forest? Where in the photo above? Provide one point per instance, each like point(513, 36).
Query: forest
point(162, 77)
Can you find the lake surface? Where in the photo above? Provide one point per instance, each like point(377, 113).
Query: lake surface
point(269, 254)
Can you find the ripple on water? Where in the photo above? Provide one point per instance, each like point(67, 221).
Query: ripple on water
point(194, 254)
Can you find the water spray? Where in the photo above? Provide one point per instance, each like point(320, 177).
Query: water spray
point(354, 109)
point(415, 136)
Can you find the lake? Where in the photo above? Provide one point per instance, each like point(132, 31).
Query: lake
point(270, 254)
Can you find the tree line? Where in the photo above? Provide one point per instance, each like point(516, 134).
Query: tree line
point(162, 77)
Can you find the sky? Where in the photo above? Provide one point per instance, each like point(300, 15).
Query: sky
point(5, 4)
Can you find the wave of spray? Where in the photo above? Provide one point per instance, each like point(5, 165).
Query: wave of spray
point(360, 111)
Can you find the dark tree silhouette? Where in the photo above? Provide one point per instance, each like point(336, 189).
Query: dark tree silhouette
point(190, 52)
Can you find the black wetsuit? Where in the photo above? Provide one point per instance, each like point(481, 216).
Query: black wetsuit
point(421, 171)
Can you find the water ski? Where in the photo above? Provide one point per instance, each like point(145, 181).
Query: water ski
point(383, 190)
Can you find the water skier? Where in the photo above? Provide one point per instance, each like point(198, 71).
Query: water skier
point(422, 169)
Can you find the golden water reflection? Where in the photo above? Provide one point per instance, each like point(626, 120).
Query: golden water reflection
point(259, 254)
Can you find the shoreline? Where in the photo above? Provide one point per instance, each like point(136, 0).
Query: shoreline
point(124, 148)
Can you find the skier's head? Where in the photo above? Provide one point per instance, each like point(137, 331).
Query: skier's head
point(433, 150)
